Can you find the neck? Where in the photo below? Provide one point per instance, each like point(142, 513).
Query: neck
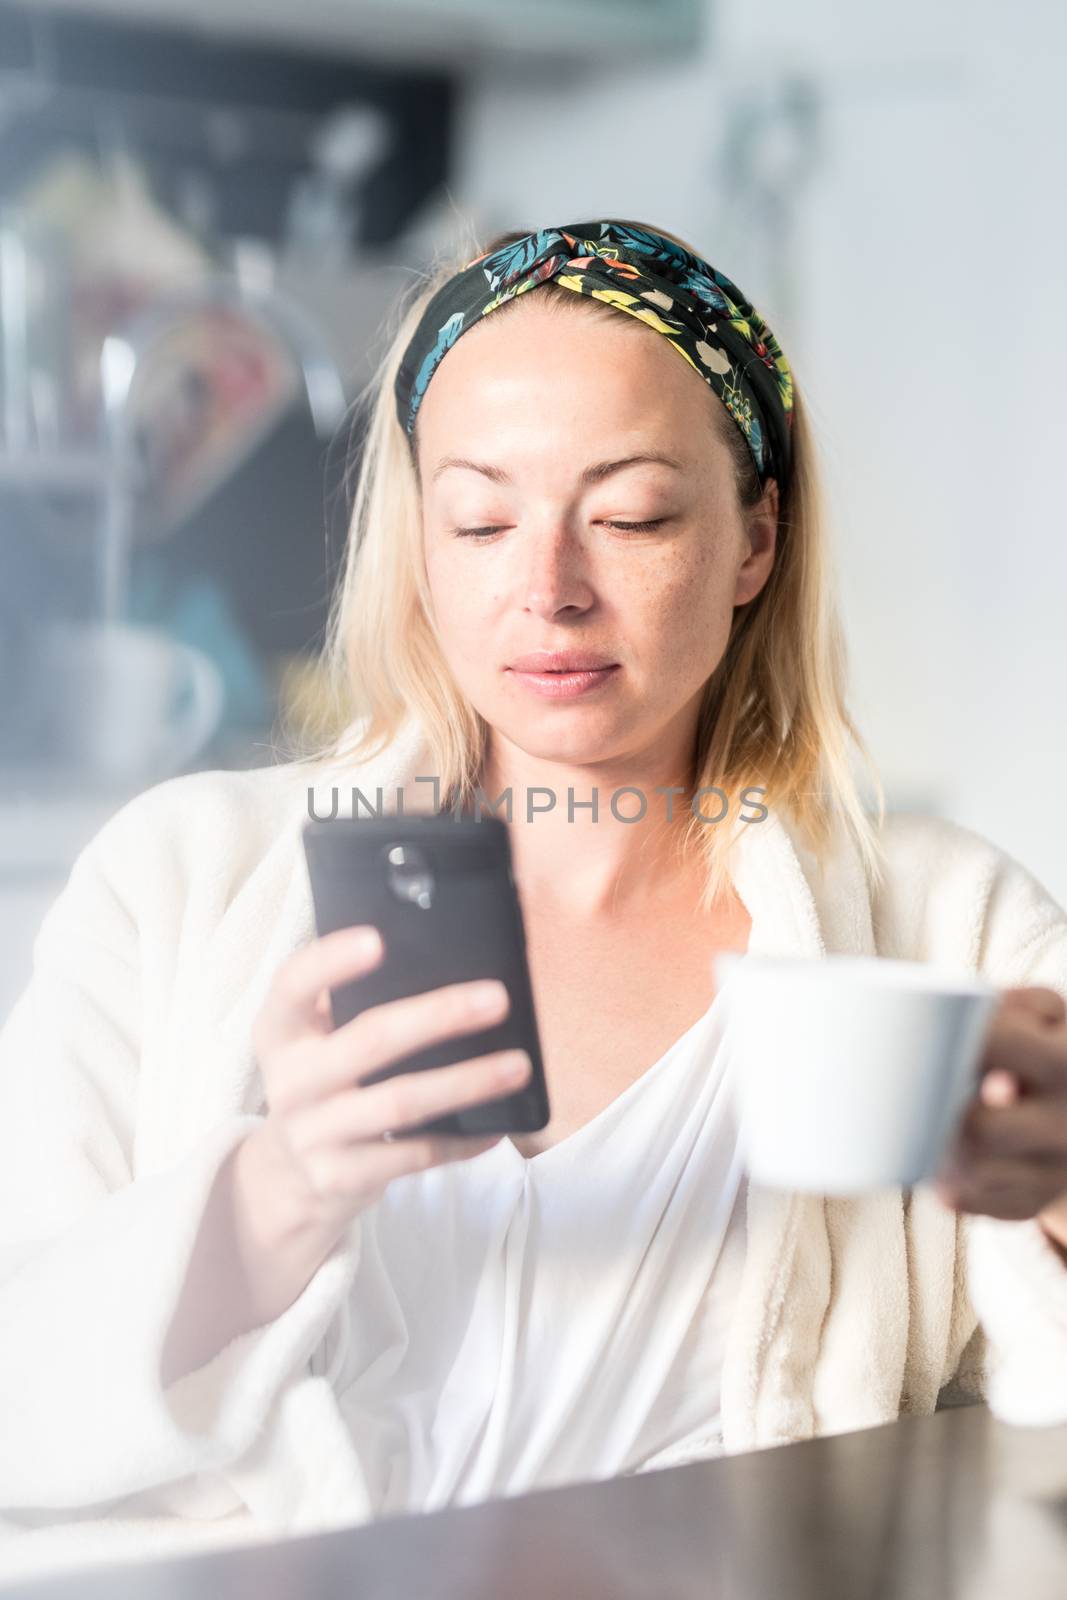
point(588, 862)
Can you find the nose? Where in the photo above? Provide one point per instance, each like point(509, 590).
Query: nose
point(554, 575)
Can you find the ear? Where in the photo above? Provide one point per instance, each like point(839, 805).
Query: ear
point(761, 531)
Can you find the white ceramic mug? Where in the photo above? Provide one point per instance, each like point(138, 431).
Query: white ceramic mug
point(126, 703)
point(851, 1072)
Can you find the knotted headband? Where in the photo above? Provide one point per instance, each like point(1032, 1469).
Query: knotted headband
point(646, 275)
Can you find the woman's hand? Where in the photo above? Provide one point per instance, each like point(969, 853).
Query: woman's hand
point(1009, 1157)
point(285, 1194)
point(324, 1128)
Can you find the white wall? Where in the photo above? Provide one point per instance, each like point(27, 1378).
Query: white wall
point(927, 323)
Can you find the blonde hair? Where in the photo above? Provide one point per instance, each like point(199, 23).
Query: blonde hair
point(773, 713)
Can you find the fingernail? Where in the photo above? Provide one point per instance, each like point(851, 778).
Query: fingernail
point(513, 1066)
point(999, 1089)
point(488, 997)
point(367, 941)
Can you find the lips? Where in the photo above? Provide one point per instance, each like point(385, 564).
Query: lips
point(553, 661)
point(551, 675)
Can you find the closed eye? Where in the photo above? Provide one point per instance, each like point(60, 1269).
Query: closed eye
point(622, 527)
point(637, 527)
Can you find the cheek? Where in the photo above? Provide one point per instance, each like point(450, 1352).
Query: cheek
point(688, 605)
point(461, 608)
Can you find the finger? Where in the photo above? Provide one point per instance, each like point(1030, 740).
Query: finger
point(293, 1002)
point(1011, 1190)
point(1033, 1127)
point(1033, 1053)
point(387, 1033)
point(323, 1013)
point(365, 1170)
point(1045, 1004)
point(413, 1098)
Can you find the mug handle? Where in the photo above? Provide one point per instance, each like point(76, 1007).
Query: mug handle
point(199, 718)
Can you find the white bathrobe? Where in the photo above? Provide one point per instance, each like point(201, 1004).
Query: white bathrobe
point(127, 1074)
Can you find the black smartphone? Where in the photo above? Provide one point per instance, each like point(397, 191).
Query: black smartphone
point(440, 890)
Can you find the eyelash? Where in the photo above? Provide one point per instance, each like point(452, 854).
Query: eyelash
point(622, 527)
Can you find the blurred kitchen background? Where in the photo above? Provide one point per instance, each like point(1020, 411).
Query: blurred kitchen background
point(208, 207)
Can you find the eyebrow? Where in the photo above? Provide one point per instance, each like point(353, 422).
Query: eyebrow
point(593, 474)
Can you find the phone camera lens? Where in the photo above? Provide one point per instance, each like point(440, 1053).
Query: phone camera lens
point(410, 875)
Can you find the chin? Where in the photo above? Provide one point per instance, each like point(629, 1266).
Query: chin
point(574, 735)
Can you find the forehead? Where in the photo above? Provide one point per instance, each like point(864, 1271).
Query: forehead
point(559, 373)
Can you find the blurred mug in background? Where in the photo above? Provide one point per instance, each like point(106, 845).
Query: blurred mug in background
point(123, 704)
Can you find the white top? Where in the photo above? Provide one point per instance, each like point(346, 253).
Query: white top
point(519, 1323)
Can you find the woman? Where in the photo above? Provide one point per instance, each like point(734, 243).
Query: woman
point(285, 1319)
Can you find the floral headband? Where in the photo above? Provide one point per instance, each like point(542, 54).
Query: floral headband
point(698, 310)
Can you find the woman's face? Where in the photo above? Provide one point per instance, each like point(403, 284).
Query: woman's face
point(542, 401)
